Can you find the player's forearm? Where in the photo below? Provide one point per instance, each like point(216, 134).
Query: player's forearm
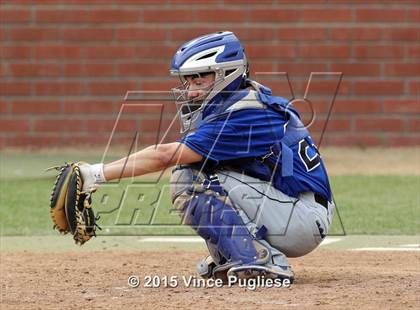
point(150, 159)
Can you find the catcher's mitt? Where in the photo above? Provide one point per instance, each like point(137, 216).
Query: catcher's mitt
point(70, 207)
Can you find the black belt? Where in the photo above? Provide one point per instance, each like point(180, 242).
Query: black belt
point(321, 200)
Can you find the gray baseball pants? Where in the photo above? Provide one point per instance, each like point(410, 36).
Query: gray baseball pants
point(295, 226)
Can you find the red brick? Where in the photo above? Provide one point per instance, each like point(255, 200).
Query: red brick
point(378, 87)
point(168, 16)
point(333, 125)
point(115, 16)
point(58, 52)
point(359, 139)
point(62, 16)
point(414, 125)
point(326, 15)
point(141, 107)
point(90, 69)
point(87, 140)
point(401, 106)
point(379, 124)
point(30, 141)
point(116, 88)
point(32, 2)
point(15, 88)
point(413, 88)
point(229, 1)
point(355, 106)
point(356, 33)
point(30, 106)
point(413, 16)
point(271, 51)
point(317, 87)
point(187, 33)
point(158, 85)
point(110, 52)
point(378, 51)
point(303, 69)
point(15, 52)
point(153, 51)
point(59, 88)
point(106, 126)
point(3, 34)
point(88, 106)
point(3, 70)
point(4, 106)
point(202, 1)
point(413, 51)
point(279, 86)
point(324, 51)
point(140, 33)
point(402, 69)
point(156, 125)
point(41, 70)
point(143, 69)
point(14, 125)
point(356, 69)
point(252, 33)
point(380, 15)
point(302, 33)
point(402, 34)
point(402, 140)
point(220, 15)
point(135, 1)
point(14, 16)
point(88, 34)
point(59, 125)
point(261, 66)
point(274, 15)
point(103, 2)
point(140, 102)
point(35, 34)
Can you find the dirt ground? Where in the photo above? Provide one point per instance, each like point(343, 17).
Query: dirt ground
point(325, 279)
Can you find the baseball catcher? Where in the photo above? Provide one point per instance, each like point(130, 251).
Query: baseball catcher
point(248, 177)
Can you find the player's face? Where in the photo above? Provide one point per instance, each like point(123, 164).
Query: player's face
point(199, 84)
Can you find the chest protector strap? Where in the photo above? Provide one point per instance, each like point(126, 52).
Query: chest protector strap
point(294, 131)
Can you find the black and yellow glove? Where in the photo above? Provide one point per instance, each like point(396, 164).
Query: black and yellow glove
point(70, 207)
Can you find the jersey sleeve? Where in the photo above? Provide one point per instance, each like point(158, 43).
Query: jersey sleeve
point(246, 133)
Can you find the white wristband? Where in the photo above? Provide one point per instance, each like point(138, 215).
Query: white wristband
point(97, 171)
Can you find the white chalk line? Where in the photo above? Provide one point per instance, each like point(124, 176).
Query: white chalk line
point(398, 249)
point(411, 245)
point(180, 239)
point(172, 239)
point(329, 240)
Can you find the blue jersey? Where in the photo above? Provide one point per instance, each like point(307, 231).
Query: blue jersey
point(242, 136)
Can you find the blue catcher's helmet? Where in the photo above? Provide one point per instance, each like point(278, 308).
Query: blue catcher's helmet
point(220, 53)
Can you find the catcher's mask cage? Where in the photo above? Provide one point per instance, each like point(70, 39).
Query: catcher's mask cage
point(220, 53)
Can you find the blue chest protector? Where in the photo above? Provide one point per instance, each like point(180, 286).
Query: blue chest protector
point(287, 163)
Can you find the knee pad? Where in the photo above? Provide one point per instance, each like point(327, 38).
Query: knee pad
point(208, 210)
point(218, 223)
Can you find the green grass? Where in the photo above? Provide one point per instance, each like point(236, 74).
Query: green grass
point(367, 204)
point(384, 205)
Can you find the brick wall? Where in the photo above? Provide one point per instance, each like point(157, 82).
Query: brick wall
point(66, 65)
